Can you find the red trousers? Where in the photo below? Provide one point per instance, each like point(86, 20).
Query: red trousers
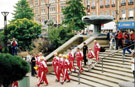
point(43, 78)
point(65, 75)
point(15, 84)
point(79, 65)
point(96, 54)
point(71, 65)
point(56, 72)
point(60, 71)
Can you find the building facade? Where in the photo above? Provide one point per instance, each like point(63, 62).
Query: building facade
point(122, 10)
point(44, 8)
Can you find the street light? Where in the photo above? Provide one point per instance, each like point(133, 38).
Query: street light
point(5, 30)
point(48, 6)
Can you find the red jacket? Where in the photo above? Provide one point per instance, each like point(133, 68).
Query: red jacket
point(71, 56)
point(55, 61)
point(96, 47)
point(79, 56)
point(91, 54)
point(132, 36)
point(120, 35)
point(65, 64)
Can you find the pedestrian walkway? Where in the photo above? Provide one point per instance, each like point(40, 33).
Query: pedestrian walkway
point(52, 83)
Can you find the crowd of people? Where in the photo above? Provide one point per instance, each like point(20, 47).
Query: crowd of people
point(123, 40)
point(63, 63)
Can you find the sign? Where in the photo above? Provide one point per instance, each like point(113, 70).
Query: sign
point(126, 25)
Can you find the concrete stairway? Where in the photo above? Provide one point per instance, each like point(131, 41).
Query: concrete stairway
point(114, 71)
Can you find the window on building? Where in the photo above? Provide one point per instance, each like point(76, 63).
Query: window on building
point(101, 13)
point(113, 1)
point(130, 0)
point(123, 1)
point(123, 13)
point(107, 2)
point(101, 2)
point(130, 14)
point(107, 12)
point(51, 1)
point(42, 10)
point(42, 1)
point(93, 2)
point(93, 13)
point(113, 14)
point(36, 2)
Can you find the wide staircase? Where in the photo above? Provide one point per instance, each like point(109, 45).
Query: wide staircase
point(107, 73)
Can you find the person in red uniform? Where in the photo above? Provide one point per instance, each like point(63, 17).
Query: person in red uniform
point(119, 40)
point(90, 59)
point(14, 46)
point(55, 65)
point(71, 61)
point(60, 66)
point(79, 58)
point(96, 50)
point(65, 69)
point(44, 69)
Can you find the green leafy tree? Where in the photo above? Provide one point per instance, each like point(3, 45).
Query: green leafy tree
point(59, 35)
point(24, 31)
point(23, 10)
point(13, 68)
point(74, 12)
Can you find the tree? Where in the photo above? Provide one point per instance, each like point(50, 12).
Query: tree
point(74, 12)
point(61, 35)
point(24, 31)
point(23, 10)
point(13, 68)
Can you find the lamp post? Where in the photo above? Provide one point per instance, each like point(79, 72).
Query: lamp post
point(5, 30)
point(88, 7)
point(48, 6)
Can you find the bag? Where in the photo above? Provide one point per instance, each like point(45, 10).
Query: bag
point(102, 49)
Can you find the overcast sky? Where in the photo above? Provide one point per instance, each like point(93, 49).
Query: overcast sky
point(6, 5)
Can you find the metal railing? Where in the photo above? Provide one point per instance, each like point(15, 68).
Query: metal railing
point(114, 53)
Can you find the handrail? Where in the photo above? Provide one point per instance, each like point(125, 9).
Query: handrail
point(116, 52)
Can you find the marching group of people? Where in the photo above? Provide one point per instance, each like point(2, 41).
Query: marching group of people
point(64, 63)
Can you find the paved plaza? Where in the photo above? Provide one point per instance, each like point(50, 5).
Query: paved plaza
point(52, 83)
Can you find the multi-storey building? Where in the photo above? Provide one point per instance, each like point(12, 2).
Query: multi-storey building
point(44, 8)
point(123, 11)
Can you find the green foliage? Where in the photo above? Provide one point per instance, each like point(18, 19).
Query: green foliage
point(74, 13)
point(2, 35)
point(59, 35)
point(13, 68)
point(23, 10)
point(24, 31)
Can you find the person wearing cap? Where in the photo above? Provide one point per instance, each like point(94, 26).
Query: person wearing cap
point(44, 69)
point(96, 49)
point(71, 60)
point(79, 58)
point(90, 59)
point(55, 65)
point(60, 66)
point(65, 69)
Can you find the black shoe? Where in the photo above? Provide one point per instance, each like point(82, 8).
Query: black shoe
point(62, 83)
point(68, 81)
point(57, 80)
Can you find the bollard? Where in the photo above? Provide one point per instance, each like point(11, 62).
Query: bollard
point(25, 82)
point(79, 76)
point(102, 65)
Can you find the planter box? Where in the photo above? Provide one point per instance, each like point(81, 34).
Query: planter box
point(25, 82)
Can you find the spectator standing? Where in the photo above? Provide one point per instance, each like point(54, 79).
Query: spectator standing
point(85, 51)
point(9, 46)
point(119, 40)
point(14, 45)
point(112, 43)
point(33, 64)
point(126, 43)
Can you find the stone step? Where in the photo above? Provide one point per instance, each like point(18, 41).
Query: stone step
point(91, 78)
point(116, 59)
point(114, 68)
point(117, 65)
point(116, 62)
point(106, 76)
point(114, 72)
